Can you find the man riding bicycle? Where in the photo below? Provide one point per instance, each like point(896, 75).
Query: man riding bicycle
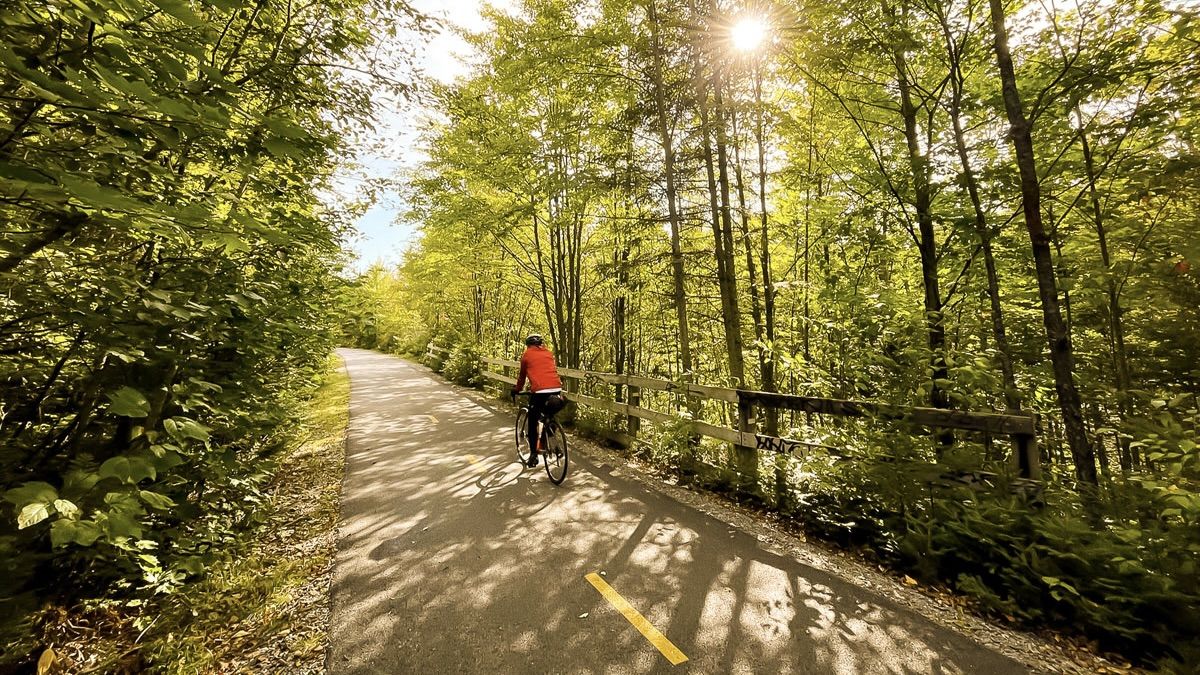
point(537, 364)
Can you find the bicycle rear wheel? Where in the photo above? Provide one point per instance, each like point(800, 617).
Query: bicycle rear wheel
point(555, 453)
point(522, 435)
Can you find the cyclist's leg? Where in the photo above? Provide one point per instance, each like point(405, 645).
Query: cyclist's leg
point(537, 404)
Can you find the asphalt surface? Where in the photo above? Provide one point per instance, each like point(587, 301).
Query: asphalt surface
point(455, 559)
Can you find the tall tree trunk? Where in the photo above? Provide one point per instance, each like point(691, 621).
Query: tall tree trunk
point(620, 260)
point(771, 422)
point(812, 132)
point(543, 284)
point(726, 280)
point(737, 368)
point(679, 293)
point(1121, 376)
point(713, 126)
point(1057, 337)
point(926, 237)
point(1012, 398)
point(756, 314)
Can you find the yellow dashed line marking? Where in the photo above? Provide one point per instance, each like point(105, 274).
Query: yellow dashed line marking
point(639, 622)
point(472, 459)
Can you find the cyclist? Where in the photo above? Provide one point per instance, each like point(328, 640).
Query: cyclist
point(537, 364)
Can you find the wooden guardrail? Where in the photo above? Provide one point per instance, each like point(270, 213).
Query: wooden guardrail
point(1021, 428)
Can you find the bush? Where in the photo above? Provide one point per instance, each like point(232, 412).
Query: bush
point(1133, 586)
point(462, 366)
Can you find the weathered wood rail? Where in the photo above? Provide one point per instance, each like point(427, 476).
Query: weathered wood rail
point(1022, 429)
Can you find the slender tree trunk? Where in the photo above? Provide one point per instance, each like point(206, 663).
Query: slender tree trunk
point(1121, 376)
point(620, 260)
point(771, 422)
point(812, 131)
point(679, 295)
point(1012, 398)
point(1057, 336)
point(714, 126)
point(542, 283)
point(737, 369)
point(756, 314)
point(724, 255)
point(927, 240)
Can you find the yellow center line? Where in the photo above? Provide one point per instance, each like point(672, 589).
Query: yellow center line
point(639, 622)
point(472, 459)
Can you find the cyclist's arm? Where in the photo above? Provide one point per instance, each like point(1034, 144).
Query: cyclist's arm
point(521, 375)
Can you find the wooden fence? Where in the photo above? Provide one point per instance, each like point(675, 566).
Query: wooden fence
point(1022, 429)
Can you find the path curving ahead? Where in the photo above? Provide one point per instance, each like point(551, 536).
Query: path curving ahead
point(453, 559)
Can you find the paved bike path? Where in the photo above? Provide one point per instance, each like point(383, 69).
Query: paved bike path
point(453, 559)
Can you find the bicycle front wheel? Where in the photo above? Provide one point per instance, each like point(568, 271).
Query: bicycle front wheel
point(555, 454)
point(522, 435)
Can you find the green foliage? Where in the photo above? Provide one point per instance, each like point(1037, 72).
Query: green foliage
point(462, 366)
point(378, 313)
point(891, 232)
point(669, 444)
point(435, 360)
point(167, 274)
point(1131, 584)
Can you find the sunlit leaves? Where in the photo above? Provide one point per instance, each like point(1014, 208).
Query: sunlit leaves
point(79, 532)
point(32, 514)
point(167, 264)
point(129, 469)
point(128, 402)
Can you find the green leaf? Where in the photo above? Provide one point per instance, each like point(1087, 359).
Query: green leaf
point(183, 427)
point(66, 508)
point(29, 493)
point(32, 514)
point(23, 174)
point(280, 149)
point(192, 565)
point(155, 500)
point(118, 525)
point(164, 460)
point(77, 482)
point(232, 242)
point(127, 469)
point(100, 197)
point(128, 402)
point(285, 128)
point(82, 532)
point(180, 10)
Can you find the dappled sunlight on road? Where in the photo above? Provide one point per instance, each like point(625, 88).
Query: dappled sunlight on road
point(454, 558)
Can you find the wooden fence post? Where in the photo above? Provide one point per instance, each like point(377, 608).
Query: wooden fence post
point(747, 457)
point(634, 397)
point(1026, 456)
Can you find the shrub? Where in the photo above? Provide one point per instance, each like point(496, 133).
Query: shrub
point(1132, 585)
point(462, 366)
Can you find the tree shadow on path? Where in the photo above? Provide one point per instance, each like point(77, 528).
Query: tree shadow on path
point(455, 559)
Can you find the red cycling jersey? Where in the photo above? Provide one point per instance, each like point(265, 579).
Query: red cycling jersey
point(537, 363)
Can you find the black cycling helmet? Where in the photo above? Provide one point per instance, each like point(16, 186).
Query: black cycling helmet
point(534, 339)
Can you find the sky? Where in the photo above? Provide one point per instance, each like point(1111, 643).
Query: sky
point(381, 238)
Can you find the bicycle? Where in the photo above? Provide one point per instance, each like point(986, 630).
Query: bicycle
point(552, 443)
